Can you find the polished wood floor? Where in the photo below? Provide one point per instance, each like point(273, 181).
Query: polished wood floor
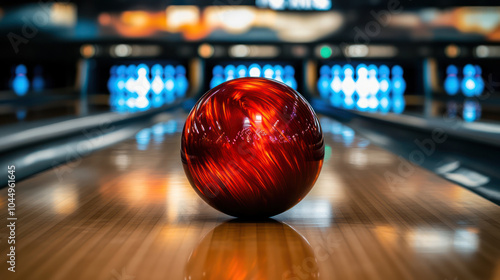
point(128, 212)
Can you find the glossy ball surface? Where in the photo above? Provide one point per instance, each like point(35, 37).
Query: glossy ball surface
point(252, 147)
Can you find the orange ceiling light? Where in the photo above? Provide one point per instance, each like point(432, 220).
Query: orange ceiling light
point(139, 23)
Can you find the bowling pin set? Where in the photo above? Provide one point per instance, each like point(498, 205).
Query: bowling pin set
point(470, 84)
point(138, 87)
point(364, 88)
point(284, 74)
point(20, 83)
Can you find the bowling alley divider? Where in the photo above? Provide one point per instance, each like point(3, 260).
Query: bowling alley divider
point(421, 143)
point(40, 145)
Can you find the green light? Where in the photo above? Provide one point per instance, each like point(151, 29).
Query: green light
point(328, 152)
point(325, 52)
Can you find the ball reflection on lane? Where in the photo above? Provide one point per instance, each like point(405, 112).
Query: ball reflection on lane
point(252, 250)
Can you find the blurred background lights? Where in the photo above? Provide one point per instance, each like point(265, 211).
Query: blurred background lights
point(206, 50)
point(325, 51)
point(64, 14)
point(237, 19)
point(452, 51)
point(356, 51)
point(239, 51)
point(178, 17)
point(20, 83)
point(122, 50)
point(87, 51)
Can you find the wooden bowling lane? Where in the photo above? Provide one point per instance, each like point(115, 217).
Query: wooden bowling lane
point(128, 212)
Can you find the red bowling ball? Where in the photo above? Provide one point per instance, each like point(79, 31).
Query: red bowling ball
point(252, 147)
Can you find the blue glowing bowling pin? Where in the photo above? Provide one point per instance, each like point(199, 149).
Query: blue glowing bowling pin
point(157, 86)
point(289, 77)
point(230, 72)
point(373, 103)
point(398, 104)
point(38, 80)
point(336, 86)
point(324, 81)
point(362, 87)
point(254, 70)
point(130, 87)
point(348, 86)
point(241, 71)
point(268, 71)
point(143, 88)
point(469, 82)
point(278, 73)
point(169, 83)
point(451, 83)
point(362, 81)
point(398, 84)
point(218, 76)
point(470, 110)
point(20, 83)
point(479, 81)
point(120, 102)
point(362, 104)
point(116, 99)
point(384, 104)
point(373, 82)
point(181, 81)
point(385, 83)
point(131, 78)
point(373, 88)
point(142, 102)
point(121, 80)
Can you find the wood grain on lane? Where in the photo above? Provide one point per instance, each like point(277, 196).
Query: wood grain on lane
point(128, 212)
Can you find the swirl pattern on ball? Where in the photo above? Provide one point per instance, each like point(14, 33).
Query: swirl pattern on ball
point(252, 147)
